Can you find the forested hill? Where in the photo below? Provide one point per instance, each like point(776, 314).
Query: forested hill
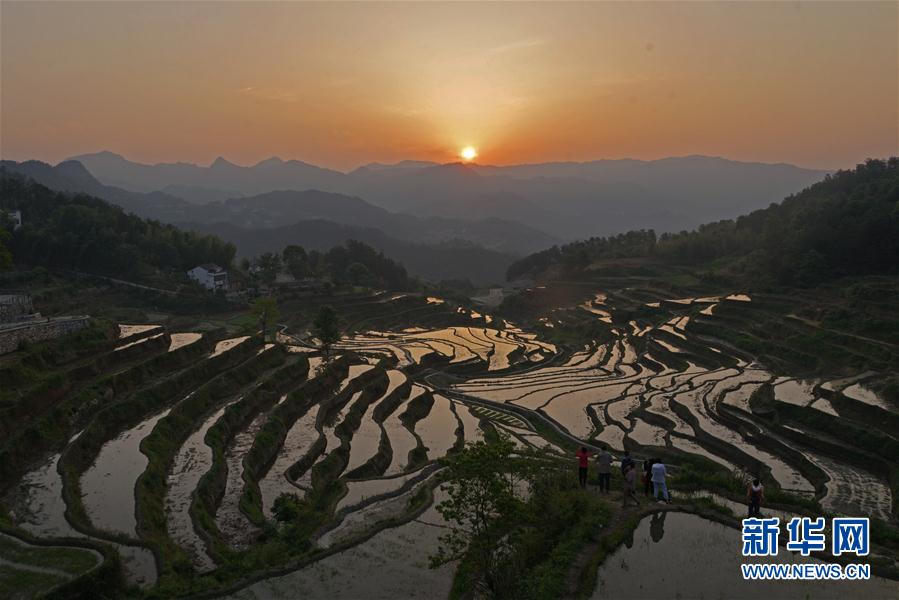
point(80, 232)
point(846, 224)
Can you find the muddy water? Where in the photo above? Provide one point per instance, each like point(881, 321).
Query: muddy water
point(613, 436)
point(795, 391)
point(129, 330)
point(392, 564)
point(107, 487)
point(709, 310)
point(438, 430)
point(460, 343)
point(36, 505)
point(363, 519)
point(667, 346)
point(315, 363)
point(192, 461)
point(401, 439)
point(179, 340)
point(864, 394)
point(677, 555)
point(851, 490)
point(646, 434)
point(604, 315)
point(235, 527)
point(299, 439)
point(501, 350)
point(570, 410)
point(824, 405)
point(473, 432)
point(330, 432)
point(787, 476)
point(692, 447)
point(140, 341)
point(225, 345)
point(837, 385)
point(364, 444)
point(357, 491)
point(354, 372)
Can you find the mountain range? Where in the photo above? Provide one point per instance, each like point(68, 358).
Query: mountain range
point(430, 247)
point(443, 221)
point(567, 200)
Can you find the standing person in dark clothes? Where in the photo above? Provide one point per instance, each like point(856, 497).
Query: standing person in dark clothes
point(755, 495)
point(583, 458)
point(647, 476)
point(630, 487)
point(604, 467)
point(626, 462)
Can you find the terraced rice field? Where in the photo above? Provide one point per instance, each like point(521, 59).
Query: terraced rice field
point(193, 454)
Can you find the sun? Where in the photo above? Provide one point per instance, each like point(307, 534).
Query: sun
point(469, 153)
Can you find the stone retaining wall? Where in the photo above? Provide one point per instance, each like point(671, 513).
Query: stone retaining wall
point(14, 307)
point(36, 331)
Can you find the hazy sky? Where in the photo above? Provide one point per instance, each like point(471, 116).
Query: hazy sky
point(813, 84)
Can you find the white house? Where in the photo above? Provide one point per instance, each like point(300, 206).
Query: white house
point(16, 216)
point(210, 276)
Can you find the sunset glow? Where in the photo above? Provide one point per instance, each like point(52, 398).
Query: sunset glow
point(469, 153)
point(546, 81)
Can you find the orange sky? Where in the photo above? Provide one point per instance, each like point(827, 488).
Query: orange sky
point(813, 84)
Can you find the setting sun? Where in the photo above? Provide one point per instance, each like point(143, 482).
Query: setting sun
point(469, 153)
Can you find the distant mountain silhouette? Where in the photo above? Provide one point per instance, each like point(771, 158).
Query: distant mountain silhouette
point(565, 199)
point(71, 176)
point(429, 247)
point(265, 176)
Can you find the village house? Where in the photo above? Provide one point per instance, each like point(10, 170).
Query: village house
point(210, 276)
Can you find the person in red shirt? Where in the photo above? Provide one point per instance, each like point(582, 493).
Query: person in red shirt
point(583, 457)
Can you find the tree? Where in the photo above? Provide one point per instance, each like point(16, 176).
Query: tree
point(326, 328)
point(296, 261)
point(482, 510)
point(80, 232)
point(5, 226)
point(269, 265)
point(265, 310)
point(358, 274)
point(286, 507)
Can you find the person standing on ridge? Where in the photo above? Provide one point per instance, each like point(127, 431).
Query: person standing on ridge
point(583, 458)
point(647, 476)
point(658, 481)
point(630, 486)
point(626, 461)
point(604, 467)
point(755, 495)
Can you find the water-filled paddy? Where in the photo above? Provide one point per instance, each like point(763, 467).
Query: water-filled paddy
point(678, 555)
point(107, 487)
point(367, 438)
point(391, 564)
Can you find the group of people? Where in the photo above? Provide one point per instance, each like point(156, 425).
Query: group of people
point(654, 474)
point(654, 478)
